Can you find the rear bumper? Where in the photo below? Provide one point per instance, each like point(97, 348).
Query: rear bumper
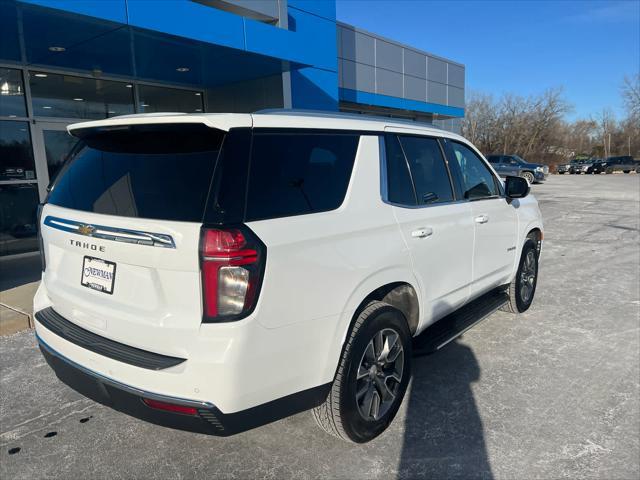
point(208, 419)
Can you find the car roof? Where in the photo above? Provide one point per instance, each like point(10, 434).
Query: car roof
point(277, 118)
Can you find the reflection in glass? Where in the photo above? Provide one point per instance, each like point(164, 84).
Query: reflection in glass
point(66, 96)
point(16, 155)
point(18, 212)
point(11, 93)
point(160, 99)
point(57, 145)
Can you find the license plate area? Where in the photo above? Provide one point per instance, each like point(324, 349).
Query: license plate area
point(98, 274)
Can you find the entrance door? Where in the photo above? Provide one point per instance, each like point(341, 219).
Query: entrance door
point(52, 144)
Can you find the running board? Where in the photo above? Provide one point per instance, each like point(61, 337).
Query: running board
point(455, 324)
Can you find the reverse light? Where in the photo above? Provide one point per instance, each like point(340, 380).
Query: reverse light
point(232, 263)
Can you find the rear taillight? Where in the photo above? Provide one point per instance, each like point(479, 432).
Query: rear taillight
point(232, 262)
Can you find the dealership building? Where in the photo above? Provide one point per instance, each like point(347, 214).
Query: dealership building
point(63, 61)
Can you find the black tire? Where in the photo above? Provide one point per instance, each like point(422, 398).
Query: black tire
point(516, 303)
point(560, 173)
point(626, 171)
point(340, 415)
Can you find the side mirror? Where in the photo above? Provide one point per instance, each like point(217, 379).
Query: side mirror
point(517, 187)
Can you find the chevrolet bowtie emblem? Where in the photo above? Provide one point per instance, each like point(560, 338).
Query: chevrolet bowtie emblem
point(86, 229)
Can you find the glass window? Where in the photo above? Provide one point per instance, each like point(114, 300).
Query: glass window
point(55, 95)
point(159, 172)
point(399, 186)
point(57, 146)
point(477, 180)
point(428, 170)
point(16, 155)
point(494, 158)
point(160, 99)
point(298, 173)
point(11, 93)
point(18, 212)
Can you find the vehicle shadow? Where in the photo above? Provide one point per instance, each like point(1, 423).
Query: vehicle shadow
point(443, 431)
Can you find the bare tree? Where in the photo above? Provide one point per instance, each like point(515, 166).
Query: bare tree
point(631, 95)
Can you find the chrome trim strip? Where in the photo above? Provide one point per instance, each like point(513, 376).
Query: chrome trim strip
point(123, 386)
point(110, 233)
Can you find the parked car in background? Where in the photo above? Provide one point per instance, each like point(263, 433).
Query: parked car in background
point(563, 168)
point(513, 165)
point(575, 166)
point(216, 272)
point(623, 163)
point(587, 166)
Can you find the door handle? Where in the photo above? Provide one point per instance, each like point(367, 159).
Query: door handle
point(482, 219)
point(422, 232)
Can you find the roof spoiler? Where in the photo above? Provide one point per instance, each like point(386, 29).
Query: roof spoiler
point(220, 121)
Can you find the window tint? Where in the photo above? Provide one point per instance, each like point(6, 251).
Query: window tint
point(399, 186)
point(428, 170)
point(146, 171)
point(55, 95)
point(298, 173)
point(494, 158)
point(16, 157)
point(477, 180)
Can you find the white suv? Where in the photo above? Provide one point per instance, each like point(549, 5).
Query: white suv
point(216, 272)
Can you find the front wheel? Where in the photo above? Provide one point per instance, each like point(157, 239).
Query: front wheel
point(626, 171)
point(523, 286)
point(529, 176)
point(372, 376)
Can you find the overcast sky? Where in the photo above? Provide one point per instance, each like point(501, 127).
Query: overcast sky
point(522, 47)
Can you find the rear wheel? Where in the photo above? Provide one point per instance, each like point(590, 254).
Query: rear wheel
point(523, 286)
point(372, 376)
point(529, 176)
point(626, 171)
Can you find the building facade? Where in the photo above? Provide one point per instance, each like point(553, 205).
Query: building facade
point(62, 61)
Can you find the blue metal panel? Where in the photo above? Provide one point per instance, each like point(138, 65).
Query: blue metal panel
point(313, 43)
point(322, 8)
point(366, 98)
point(315, 89)
point(189, 19)
point(114, 10)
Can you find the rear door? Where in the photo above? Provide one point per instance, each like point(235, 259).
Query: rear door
point(437, 229)
point(121, 232)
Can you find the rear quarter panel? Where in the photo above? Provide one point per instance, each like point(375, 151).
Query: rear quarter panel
point(321, 266)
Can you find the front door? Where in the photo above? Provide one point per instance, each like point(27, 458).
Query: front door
point(52, 144)
point(494, 217)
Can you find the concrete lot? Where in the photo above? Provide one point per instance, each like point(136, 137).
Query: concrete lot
point(552, 393)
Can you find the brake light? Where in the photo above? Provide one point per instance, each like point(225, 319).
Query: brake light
point(232, 266)
point(169, 407)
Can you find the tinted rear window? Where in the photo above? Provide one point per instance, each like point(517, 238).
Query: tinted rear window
point(157, 172)
point(298, 173)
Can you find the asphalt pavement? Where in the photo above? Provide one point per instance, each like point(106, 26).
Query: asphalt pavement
point(552, 393)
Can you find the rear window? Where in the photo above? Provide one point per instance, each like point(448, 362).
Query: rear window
point(147, 171)
point(298, 173)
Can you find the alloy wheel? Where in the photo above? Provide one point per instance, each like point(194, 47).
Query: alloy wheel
point(528, 276)
point(379, 374)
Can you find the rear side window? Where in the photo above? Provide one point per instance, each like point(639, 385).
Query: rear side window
point(148, 171)
point(428, 170)
point(298, 173)
point(399, 185)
